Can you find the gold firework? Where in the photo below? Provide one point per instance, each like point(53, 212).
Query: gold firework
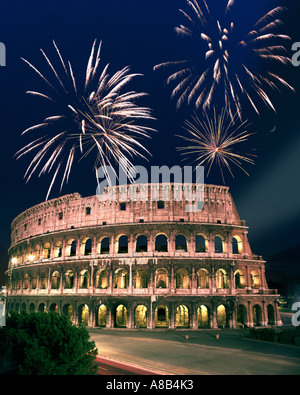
point(213, 141)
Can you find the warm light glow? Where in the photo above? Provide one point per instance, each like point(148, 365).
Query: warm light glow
point(14, 260)
point(30, 258)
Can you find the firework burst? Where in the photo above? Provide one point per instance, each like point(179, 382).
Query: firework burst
point(213, 141)
point(98, 117)
point(226, 65)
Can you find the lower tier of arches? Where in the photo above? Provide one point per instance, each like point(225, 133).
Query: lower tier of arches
point(157, 312)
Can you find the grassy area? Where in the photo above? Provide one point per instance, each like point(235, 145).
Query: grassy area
point(283, 335)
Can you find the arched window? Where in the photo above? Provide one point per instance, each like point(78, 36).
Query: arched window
point(239, 279)
point(221, 316)
point(241, 315)
point(83, 314)
point(121, 279)
point(46, 251)
point(203, 317)
point(122, 244)
point(55, 280)
point(102, 311)
point(69, 279)
point(161, 278)
point(87, 247)
point(257, 315)
point(140, 316)
point(68, 311)
point(271, 315)
point(71, 248)
point(102, 279)
point(84, 279)
point(141, 244)
point(201, 243)
point(104, 245)
point(237, 245)
point(219, 245)
point(161, 243)
point(182, 317)
point(58, 249)
point(180, 243)
point(202, 279)
point(182, 279)
point(121, 316)
point(140, 279)
point(255, 280)
point(161, 317)
point(221, 279)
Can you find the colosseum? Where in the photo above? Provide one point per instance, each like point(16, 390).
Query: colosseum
point(139, 263)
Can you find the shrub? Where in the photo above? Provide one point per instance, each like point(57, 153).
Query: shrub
point(45, 344)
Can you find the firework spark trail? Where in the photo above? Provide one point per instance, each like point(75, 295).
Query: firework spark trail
point(224, 58)
point(100, 117)
point(214, 139)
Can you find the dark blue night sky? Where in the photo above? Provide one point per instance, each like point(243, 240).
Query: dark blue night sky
point(141, 34)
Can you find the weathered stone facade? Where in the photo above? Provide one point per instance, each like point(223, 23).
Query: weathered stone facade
point(136, 263)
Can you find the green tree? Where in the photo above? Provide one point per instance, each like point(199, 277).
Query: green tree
point(45, 344)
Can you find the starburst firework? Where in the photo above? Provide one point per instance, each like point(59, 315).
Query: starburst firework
point(99, 116)
point(213, 141)
point(227, 65)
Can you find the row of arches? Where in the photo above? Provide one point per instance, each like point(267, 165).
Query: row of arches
point(120, 279)
point(120, 316)
point(73, 247)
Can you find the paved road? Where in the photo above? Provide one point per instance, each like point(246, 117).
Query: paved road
point(107, 366)
point(171, 352)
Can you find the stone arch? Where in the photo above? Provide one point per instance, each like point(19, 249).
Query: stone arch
point(102, 279)
point(46, 250)
point(42, 308)
point(141, 279)
point(121, 278)
point(121, 316)
point(271, 314)
point(84, 279)
point(161, 316)
point(55, 280)
point(201, 243)
point(53, 308)
point(255, 279)
point(86, 246)
point(241, 315)
point(219, 244)
point(222, 319)
point(26, 281)
point(58, 249)
point(182, 279)
point(257, 315)
point(36, 252)
point(161, 242)
point(161, 278)
point(182, 317)
point(181, 243)
point(221, 279)
point(101, 316)
point(68, 311)
point(103, 245)
point(83, 314)
point(140, 316)
point(43, 280)
point(202, 278)
point(239, 279)
point(71, 247)
point(203, 317)
point(122, 244)
point(69, 279)
point(141, 244)
point(237, 245)
point(31, 308)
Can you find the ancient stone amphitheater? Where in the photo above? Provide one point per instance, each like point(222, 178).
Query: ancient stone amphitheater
point(139, 264)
